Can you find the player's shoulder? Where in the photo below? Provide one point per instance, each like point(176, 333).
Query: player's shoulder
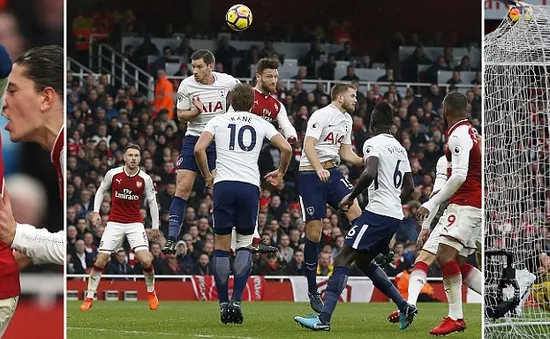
point(225, 78)
point(143, 175)
point(115, 171)
point(189, 81)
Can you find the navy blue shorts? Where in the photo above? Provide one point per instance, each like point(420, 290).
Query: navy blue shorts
point(372, 232)
point(235, 205)
point(315, 194)
point(187, 155)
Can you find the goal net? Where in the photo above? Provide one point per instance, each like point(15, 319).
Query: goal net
point(517, 177)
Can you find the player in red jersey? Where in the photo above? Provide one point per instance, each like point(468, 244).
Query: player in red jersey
point(271, 109)
point(34, 108)
point(461, 234)
point(10, 287)
point(128, 185)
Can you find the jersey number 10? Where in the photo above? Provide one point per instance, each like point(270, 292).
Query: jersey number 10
point(240, 137)
point(397, 177)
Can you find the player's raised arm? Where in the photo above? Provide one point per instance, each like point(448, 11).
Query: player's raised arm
point(186, 108)
point(206, 138)
point(282, 119)
point(284, 147)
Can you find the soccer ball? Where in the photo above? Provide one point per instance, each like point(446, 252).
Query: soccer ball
point(515, 13)
point(239, 17)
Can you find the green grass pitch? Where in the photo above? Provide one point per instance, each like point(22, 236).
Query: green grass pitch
point(173, 319)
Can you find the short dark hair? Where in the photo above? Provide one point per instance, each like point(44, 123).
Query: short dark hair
point(242, 98)
point(267, 63)
point(456, 102)
point(339, 89)
point(382, 115)
point(132, 146)
point(205, 55)
point(44, 66)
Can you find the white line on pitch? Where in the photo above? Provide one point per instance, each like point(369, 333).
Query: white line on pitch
point(157, 333)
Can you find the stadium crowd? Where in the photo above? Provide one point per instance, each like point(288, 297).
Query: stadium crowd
point(104, 118)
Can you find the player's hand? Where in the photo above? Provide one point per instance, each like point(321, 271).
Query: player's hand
point(422, 212)
point(292, 140)
point(96, 219)
point(197, 103)
point(7, 221)
point(346, 203)
point(22, 260)
point(323, 174)
point(422, 237)
point(209, 182)
point(274, 178)
point(155, 234)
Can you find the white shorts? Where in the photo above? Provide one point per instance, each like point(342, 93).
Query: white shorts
point(461, 228)
point(7, 309)
point(114, 234)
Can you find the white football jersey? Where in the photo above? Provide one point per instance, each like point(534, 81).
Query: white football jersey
point(239, 138)
point(393, 163)
point(332, 128)
point(213, 98)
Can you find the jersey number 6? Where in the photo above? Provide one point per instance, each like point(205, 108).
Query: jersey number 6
point(240, 136)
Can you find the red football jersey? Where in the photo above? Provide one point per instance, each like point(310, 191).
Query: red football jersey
point(266, 106)
point(127, 193)
point(58, 159)
point(469, 193)
point(9, 272)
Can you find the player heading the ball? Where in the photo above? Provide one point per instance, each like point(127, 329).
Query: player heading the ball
point(239, 139)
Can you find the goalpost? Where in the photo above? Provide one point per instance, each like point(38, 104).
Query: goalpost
point(517, 175)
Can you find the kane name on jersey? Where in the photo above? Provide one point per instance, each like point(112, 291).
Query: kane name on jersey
point(266, 106)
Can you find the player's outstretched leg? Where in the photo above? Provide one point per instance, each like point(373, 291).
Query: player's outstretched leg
point(222, 269)
point(380, 280)
point(452, 281)
point(311, 255)
point(184, 183)
point(243, 267)
point(146, 259)
point(94, 279)
point(336, 285)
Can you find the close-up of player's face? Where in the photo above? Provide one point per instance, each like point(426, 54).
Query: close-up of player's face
point(201, 70)
point(268, 80)
point(23, 105)
point(132, 158)
point(350, 100)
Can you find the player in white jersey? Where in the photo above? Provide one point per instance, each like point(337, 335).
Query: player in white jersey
point(239, 138)
point(389, 181)
point(471, 276)
point(200, 98)
point(128, 184)
point(327, 142)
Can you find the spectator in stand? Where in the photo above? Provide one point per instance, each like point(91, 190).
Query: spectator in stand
point(164, 95)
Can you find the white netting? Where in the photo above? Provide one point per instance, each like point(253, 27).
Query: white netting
point(517, 168)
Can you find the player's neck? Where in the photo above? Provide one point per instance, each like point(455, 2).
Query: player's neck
point(209, 80)
point(261, 90)
point(452, 121)
point(47, 134)
point(377, 131)
point(130, 172)
point(338, 106)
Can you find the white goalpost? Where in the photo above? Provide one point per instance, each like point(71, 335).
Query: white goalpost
point(517, 177)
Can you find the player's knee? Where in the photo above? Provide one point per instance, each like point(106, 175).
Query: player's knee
point(313, 230)
point(101, 260)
